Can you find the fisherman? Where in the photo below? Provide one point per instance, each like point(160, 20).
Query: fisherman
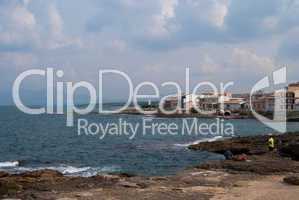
point(271, 143)
point(228, 155)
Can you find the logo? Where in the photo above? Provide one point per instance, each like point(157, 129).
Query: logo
point(275, 103)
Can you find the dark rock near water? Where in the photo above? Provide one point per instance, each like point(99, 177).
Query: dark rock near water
point(259, 159)
point(42, 174)
point(236, 146)
point(123, 175)
point(256, 145)
point(292, 180)
point(291, 150)
point(9, 188)
point(262, 165)
point(3, 174)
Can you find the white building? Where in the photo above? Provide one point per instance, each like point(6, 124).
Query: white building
point(235, 105)
point(212, 103)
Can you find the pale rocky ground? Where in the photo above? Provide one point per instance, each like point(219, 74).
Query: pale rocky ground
point(195, 184)
point(266, 188)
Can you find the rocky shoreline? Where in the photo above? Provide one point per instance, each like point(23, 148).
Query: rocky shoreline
point(210, 180)
point(284, 159)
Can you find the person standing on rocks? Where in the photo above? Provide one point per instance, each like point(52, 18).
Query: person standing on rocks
point(271, 144)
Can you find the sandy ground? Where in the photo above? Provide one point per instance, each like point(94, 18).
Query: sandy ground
point(267, 188)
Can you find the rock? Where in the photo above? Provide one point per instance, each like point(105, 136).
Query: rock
point(222, 146)
point(84, 194)
point(123, 175)
point(107, 178)
point(292, 180)
point(159, 178)
point(291, 150)
point(44, 174)
point(256, 145)
point(3, 174)
point(11, 199)
point(9, 188)
point(265, 165)
point(128, 184)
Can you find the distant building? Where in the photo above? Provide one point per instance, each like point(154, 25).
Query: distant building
point(263, 104)
point(208, 102)
point(172, 103)
point(235, 105)
point(190, 101)
point(294, 87)
point(278, 101)
point(215, 103)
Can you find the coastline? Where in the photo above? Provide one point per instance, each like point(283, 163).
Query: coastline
point(211, 180)
point(291, 117)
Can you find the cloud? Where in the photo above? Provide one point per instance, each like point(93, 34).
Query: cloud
point(289, 46)
point(217, 39)
point(246, 19)
point(209, 66)
point(202, 12)
point(159, 23)
point(245, 60)
point(164, 24)
point(23, 30)
point(57, 38)
point(18, 28)
point(26, 2)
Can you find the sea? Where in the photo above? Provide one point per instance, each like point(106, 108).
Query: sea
point(35, 142)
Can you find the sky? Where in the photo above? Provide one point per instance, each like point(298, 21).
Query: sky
point(150, 40)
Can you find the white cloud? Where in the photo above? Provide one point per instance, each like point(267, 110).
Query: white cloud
point(208, 65)
point(56, 22)
point(168, 8)
point(57, 38)
point(218, 39)
point(18, 29)
point(218, 12)
point(247, 60)
point(212, 12)
point(23, 18)
point(19, 61)
point(159, 26)
point(26, 2)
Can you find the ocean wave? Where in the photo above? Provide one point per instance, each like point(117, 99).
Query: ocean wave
point(200, 141)
point(8, 164)
point(69, 170)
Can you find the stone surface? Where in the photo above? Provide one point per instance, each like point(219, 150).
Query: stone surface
point(292, 180)
point(256, 145)
point(3, 174)
point(291, 150)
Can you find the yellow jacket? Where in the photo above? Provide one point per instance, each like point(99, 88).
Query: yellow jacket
point(271, 142)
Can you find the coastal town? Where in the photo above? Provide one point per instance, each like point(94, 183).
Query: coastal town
point(228, 104)
point(149, 100)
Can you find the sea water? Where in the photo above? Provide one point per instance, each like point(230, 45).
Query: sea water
point(33, 142)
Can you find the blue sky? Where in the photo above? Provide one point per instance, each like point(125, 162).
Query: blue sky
point(152, 40)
